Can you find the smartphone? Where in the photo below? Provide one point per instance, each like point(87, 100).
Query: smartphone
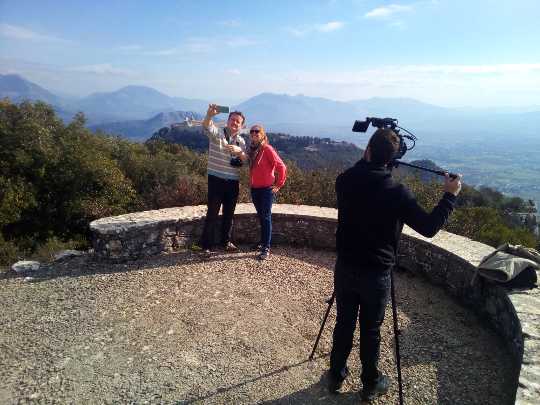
point(223, 109)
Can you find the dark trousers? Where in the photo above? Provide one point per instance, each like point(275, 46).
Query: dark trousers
point(220, 192)
point(262, 199)
point(364, 300)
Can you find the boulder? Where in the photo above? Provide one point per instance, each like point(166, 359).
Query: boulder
point(66, 254)
point(25, 266)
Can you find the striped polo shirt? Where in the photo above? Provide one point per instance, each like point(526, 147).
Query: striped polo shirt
point(219, 159)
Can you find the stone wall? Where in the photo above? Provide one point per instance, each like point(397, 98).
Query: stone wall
point(447, 260)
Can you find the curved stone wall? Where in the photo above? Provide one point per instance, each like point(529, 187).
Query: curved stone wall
point(447, 260)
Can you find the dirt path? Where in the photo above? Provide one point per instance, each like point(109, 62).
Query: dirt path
point(227, 330)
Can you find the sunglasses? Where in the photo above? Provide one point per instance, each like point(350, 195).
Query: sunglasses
point(254, 131)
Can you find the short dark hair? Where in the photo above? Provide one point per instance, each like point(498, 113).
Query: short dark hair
point(384, 144)
point(238, 113)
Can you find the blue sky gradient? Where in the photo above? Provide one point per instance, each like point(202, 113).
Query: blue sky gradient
point(448, 52)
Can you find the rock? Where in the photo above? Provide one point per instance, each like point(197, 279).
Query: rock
point(25, 266)
point(66, 254)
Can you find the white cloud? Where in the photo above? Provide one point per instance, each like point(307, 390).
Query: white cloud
point(400, 25)
point(476, 69)
point(129, 48)
point(235, 72)
point(240, 42)
point(201, 45)
point(322, 28)
point(230, 23)
point(298, 32)
point(162, 52)
point(330, 26)
point(24, 34)
point(101, 69)
point(387, 11)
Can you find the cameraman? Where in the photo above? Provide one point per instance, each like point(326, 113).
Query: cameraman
point(226, 154)
point(372, 209)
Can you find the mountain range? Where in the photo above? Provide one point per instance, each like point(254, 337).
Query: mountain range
point(498, 147)
point(297, 115)
point(126, 104)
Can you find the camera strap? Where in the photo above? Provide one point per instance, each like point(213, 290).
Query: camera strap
point(228, 137)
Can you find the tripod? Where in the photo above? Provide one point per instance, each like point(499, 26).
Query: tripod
point(330, 302)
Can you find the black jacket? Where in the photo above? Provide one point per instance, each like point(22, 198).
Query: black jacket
point(372, 209)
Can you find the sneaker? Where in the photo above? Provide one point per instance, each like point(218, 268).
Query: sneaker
point(335, 383)
point(207, 252)
point(256, 246)
point(264, 254)
point(196, 248)
point(380, 388)
point(230, 247)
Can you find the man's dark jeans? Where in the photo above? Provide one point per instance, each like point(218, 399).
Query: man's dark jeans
point(220, 191)
point(363, 297)
point(262, 199)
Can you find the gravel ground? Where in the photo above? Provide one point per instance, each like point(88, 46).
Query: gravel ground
point(183, 329)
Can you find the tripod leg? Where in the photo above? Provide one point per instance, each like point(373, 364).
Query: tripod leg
point(396, 336)
point(330, 303)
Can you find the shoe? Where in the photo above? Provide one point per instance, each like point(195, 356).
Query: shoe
point(380, 388)
point(230, 247)
point(196, 248)
point(335, 383)
point(207, 252)
point(256, 246)
point(264, 254)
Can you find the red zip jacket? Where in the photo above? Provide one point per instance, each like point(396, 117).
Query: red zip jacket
point(267, 164)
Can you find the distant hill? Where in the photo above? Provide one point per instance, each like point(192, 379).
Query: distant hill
point(127, 103)
point(137, 102)
point(18, 89)
point(141, 130)
point(270, 108)
point(403, 109)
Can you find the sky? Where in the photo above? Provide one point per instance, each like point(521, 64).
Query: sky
point(453, 53)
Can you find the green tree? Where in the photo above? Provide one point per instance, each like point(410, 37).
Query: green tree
point(54, 178)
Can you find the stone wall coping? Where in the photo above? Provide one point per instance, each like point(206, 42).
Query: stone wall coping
point(168, 216)
point(465, 248)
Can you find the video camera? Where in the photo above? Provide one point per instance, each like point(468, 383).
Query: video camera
point(391, 123)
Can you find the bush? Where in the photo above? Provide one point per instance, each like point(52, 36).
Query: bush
point(55, 179)
point(45, 252)
point(487, 225)
point(9, 253)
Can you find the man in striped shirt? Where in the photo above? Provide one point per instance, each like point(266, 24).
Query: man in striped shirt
point(226, 152)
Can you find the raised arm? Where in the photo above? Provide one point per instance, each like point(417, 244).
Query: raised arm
point(428, 224)
point(208, 124)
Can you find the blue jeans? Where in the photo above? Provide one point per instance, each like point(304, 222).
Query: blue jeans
point(262, 199)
